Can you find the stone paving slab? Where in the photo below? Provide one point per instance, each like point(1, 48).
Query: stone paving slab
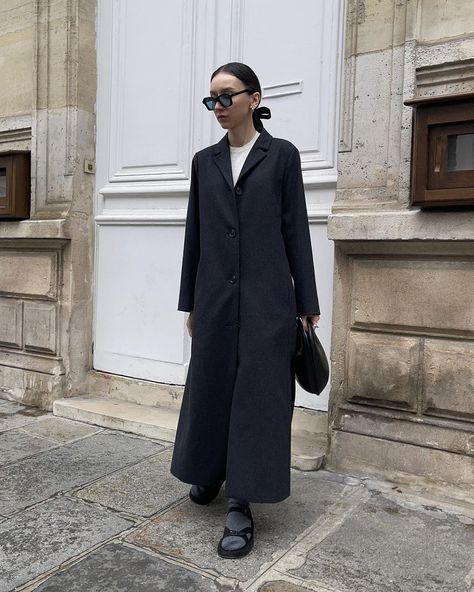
point(12, 407)
point(191, 532)
point(43, 537)
point(385, 547)
point(142, 490)
point(117, 567)
point(13, 415)
point(61, 430)
point(282, 586)
point(33, 480)
point(17, 444)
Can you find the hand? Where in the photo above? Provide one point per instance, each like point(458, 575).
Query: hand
point(314, 319)
point(189, 324)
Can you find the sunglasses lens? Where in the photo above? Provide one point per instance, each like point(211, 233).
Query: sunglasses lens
point(210, 103)
point(225, 100)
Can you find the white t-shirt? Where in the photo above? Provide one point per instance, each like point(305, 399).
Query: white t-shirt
point(238, 154)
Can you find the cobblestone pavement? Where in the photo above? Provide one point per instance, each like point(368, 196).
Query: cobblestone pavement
point(89, 509)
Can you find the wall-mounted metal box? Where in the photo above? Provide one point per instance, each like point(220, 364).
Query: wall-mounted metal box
point(442, 167)
point(15, 185)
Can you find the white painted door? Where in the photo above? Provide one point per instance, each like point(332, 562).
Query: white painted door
point(155, 58)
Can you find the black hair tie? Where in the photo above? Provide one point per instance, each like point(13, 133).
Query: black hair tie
point(263, 113)
point(258, 115)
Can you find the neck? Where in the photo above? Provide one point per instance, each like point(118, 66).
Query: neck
point(242, 134)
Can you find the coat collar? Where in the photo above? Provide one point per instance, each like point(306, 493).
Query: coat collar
point(257, 153)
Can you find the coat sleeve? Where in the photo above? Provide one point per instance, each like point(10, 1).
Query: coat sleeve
point(295, 230)
point(191, 248)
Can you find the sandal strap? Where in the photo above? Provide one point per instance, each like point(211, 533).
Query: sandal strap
point(245, 512)
point(242, 509)
point(240, 533)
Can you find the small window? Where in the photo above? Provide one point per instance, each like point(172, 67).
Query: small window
point(3, 182)
point(461, 152)
point(442, 168)
point(15, 186)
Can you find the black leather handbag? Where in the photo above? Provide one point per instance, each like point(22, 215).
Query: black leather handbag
point(311, 363)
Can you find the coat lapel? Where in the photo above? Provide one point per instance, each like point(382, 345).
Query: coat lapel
point(257, 153)
point(222, 160)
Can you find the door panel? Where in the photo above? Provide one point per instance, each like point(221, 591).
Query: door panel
point(154, 63)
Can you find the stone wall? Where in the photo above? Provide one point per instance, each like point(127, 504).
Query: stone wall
point(402, 400)
point(47, 107)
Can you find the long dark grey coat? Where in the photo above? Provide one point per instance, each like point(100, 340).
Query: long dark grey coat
point(242, 248)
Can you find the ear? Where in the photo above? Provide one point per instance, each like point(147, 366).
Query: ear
point(256, 98)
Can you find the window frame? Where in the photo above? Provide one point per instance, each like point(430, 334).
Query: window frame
point(434, 118)
point(16, 204)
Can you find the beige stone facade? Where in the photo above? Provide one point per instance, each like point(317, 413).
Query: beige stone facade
point(47, 106)
point(402, 401)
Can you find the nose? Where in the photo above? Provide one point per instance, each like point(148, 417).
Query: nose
point(218, 111)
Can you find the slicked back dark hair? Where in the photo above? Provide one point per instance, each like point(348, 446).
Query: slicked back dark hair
point(246, 75)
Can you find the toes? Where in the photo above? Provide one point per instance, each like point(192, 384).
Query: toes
point(232, 543)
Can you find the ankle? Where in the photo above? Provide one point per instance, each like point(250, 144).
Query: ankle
point(233, 501)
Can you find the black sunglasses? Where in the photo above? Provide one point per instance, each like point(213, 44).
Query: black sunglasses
point(225, 99)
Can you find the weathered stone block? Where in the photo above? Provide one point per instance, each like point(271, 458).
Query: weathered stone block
point(440, 19)
point(28, 273)
point(399, 461)
point(16, 48)
point(40, 326)
point(448, 368)
point(366, 164)
point(414, 293)
point(39, 386)
point(10, 322)
point(383, 369)
point(411, 429)
point(374, 24)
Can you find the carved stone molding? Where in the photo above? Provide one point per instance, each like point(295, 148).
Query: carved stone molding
point(15, 132)
point(374, 70)
point(445, 78)
point(15, 135)
point(54, 103)
point(346, 117)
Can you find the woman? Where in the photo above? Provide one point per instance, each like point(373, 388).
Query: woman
point(246, 237)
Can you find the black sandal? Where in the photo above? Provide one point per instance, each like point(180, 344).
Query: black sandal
point(205, 494)
point(244, 533)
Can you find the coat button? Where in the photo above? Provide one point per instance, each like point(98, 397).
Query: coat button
point(238, 190)
point(232, 232)
point(232, 279)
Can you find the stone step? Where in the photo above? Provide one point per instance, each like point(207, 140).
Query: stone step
point(134, 390)
point(308, 451)
point(152, 422)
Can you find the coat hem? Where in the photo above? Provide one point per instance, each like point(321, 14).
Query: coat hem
point(193, 482)
point(256, 499)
